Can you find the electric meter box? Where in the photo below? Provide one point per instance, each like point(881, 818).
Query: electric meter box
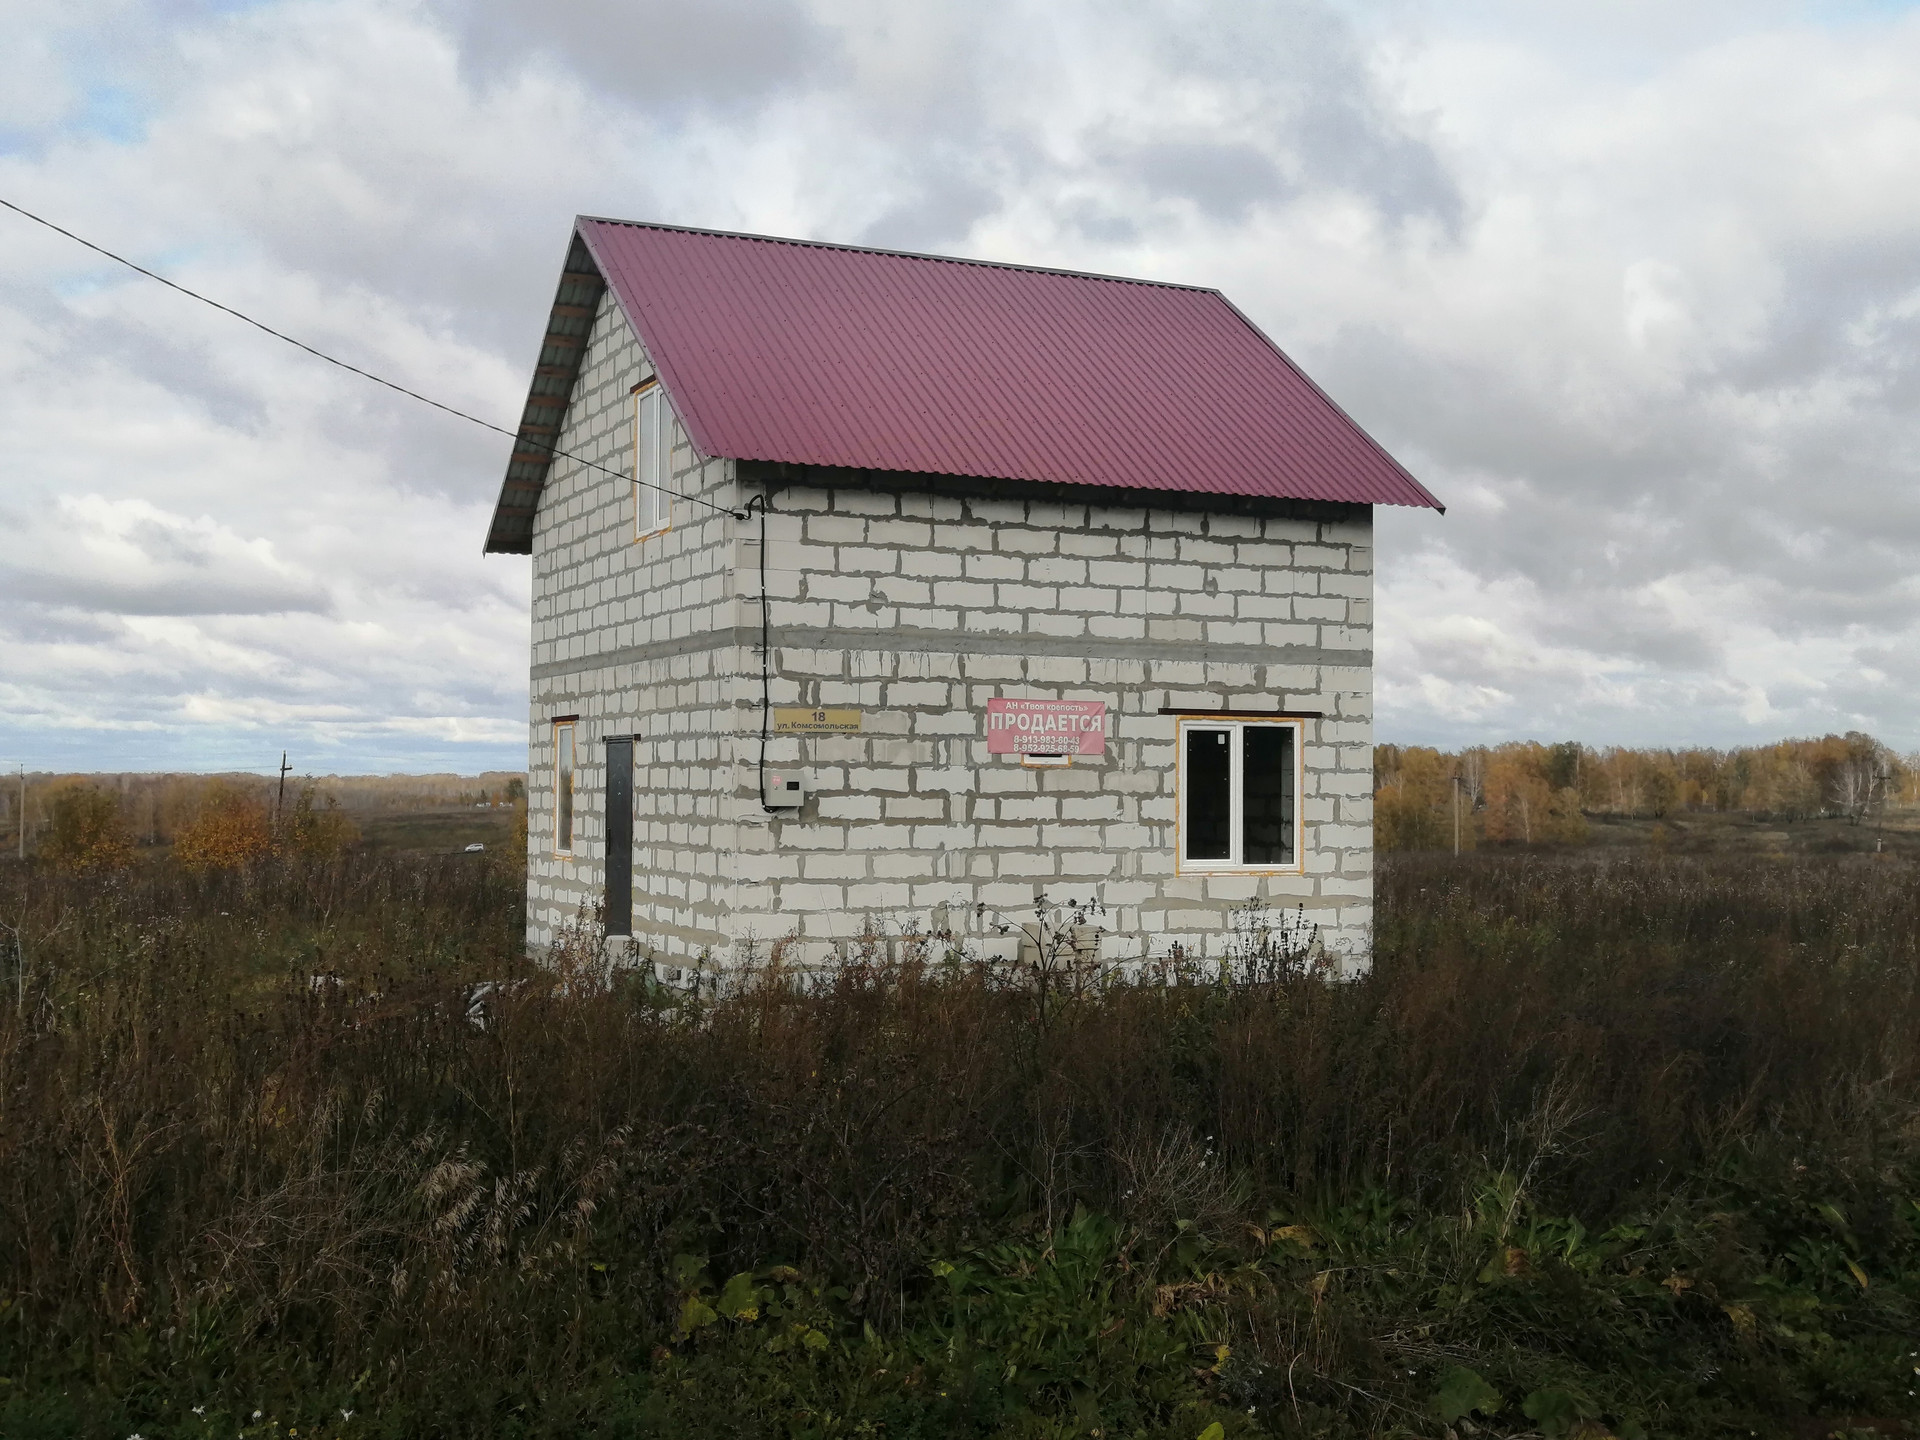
point(785, 790)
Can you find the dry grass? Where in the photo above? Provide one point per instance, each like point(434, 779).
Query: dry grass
point(317, 1132)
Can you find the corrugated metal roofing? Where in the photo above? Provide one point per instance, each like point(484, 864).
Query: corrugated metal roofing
point(788, 350)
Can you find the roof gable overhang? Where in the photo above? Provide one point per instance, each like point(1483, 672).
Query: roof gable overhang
point(562, 348)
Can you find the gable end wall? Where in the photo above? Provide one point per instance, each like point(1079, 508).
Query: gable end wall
point(621, 638)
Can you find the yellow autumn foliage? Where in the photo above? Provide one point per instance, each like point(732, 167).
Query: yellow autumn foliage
point(1530, 794)
point(231, 831)
point(316, 831)
point(87, 831)
point(235, 829)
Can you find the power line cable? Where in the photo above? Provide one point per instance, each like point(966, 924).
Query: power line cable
point(514, 435)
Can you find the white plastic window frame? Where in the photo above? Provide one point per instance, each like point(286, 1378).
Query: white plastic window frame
point(566, 764)
point(652, 460)
point(1236, 792)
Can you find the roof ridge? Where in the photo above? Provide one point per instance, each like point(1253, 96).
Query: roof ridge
point(899, 254)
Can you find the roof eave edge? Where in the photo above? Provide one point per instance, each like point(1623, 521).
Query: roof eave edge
point(756, 467)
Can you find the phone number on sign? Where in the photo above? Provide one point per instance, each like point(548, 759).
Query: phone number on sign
point(1046, 727)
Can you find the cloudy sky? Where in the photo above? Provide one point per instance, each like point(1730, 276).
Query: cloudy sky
point(1635, 288)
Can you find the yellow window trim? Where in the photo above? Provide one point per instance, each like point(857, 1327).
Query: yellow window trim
point(573, 746)
point(662, 498)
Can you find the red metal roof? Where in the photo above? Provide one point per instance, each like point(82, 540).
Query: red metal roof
point(791, 350)
point(830, 355)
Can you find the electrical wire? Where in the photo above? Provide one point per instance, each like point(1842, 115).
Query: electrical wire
point(514, 435)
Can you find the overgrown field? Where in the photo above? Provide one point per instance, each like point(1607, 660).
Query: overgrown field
point(1625, 1148)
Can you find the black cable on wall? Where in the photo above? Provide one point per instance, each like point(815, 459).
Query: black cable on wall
point(766, 648)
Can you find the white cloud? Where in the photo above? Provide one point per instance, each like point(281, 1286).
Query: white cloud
point(132, 558)
point(1634, 290)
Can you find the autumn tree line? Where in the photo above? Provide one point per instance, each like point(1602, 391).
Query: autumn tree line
point(91, 822)
point(1522, 793)
point(1531, 794)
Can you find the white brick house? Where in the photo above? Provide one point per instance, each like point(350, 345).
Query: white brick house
point(977, 485)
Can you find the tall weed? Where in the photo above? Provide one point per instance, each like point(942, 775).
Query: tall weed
point(315, 1138)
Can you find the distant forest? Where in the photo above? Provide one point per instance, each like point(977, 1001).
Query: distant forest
point(154, 809)
point(1533, 794)
point(1515, 794)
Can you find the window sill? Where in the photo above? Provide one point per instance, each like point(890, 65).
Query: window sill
point(1200, 867)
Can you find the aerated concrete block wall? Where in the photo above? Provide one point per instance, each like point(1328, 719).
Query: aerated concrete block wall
point(624, 635)
point(917, 607)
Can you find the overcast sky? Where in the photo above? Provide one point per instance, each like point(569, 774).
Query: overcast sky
point(1635, 288)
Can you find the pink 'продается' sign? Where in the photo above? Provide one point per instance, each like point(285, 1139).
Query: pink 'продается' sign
point(1046, 727)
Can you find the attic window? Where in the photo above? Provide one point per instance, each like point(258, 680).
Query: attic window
point(652, 460)
point(1239, 787)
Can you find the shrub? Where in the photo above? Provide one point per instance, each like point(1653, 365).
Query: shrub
point(231, 831)
point(87, 832)
point(315, 831)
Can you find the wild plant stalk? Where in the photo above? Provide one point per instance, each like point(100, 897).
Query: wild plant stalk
point(331, 1110)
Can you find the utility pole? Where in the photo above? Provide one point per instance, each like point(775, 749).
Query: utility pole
point(23, 811)
point(1456, 817)
point(280, 801)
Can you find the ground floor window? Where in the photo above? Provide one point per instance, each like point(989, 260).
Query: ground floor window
point(563, 787)
point(1239, 783)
